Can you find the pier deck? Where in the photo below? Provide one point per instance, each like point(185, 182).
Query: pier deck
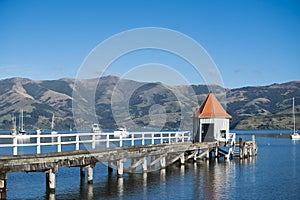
point(78, 158)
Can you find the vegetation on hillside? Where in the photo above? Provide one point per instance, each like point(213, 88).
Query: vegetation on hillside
point(262, 107)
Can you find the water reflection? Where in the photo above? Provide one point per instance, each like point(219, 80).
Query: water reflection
point(163, 175)
point(264, 177)
point(182, 171)
point(50, 196)
point(144, 183)
point(82, 187)
point(215, 179)
point(212, 179)
point(90, 191)
point(294, 156)
point(120, 187)
point(108, 186)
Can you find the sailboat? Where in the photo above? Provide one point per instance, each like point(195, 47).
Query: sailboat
point(22, 136)
point(52, 126)
point(21, 125)
point(294, 136)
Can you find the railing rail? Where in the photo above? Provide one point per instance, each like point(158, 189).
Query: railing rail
point(89, 140)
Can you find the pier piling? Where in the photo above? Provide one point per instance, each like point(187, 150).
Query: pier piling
point(216, 152)
point(163, 162)
point(144, 165)
point(241, 148)
point(110, 167)
point(50, 180)
point(90, 174)
point(182, 158)
point(3, 178)
point(120, 165)
point(82, 172)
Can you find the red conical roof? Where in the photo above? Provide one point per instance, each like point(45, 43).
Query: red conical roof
point(210, 108)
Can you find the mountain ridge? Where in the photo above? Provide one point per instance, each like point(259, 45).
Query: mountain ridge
point(251, 107)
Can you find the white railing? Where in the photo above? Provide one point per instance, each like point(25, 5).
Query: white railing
point(88, 140)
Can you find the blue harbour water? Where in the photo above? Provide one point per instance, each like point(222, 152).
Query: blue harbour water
point(273, 174)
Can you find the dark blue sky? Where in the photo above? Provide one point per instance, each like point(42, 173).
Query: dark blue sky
point(251, 42)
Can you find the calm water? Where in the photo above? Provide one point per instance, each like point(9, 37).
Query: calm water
point(273, 174)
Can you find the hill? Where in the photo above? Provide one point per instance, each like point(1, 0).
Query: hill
point(140, 105)
point(264, 107)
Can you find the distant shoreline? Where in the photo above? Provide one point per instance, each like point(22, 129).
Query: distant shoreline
point(274, 135)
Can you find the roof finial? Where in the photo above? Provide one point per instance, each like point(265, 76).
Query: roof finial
point(210, 89)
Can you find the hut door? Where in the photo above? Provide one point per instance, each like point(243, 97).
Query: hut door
point(208, 133)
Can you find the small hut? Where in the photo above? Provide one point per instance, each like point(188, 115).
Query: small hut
point(210, 121)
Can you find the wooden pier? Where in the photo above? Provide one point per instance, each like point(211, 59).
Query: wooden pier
point(163, 149)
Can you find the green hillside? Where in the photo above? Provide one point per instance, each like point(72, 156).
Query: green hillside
point(151, 105)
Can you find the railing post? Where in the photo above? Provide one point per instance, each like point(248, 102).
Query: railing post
point(132, 139)
point(107, 140)
point(161, 137)
point(143, 138)
point(59, 143)
point(15, 146)
point(121, 140)
point(93, 142)
point(77, 141)
point(152, 142)
point(38, 144)
point(169, 138)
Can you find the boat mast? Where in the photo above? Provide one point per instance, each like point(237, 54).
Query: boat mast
point(21, 126)
point(22, 122)
point(294, 120)
point(14, 119)
point(52, 122)
point(19, 123)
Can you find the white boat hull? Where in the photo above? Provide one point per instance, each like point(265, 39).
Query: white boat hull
point(123, 134)
point(295, 136)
